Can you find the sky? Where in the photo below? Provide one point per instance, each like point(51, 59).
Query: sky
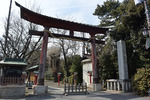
point(77, 10)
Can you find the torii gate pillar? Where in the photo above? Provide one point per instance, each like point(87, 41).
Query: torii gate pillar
point(96, 84)
point(43, 58)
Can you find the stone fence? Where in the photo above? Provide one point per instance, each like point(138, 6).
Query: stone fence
point(119, 85)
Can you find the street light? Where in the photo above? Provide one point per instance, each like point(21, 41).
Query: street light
point(145, 32)
point(58, 75)
point(90, 74)
point(75, 77)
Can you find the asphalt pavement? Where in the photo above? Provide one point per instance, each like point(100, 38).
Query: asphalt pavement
point(56, 93)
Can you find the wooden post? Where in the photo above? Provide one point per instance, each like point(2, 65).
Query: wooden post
point(65, 87)
point(72, 87)
point(68, 87)
point(43, 58)
point(76, 88)
point(85, 87)
point(94, 60)
point(79, 87)
point(82, 87)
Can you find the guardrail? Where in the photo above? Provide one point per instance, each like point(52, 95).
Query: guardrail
point(79, 88)
point(12, 80)
point(119, 85)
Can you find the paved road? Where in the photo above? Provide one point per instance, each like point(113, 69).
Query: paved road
point(57, 94)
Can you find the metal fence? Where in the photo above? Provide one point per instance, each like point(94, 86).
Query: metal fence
point(79, 88)
point(12, 80)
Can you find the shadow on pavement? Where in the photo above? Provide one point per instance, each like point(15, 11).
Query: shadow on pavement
point(117, 96)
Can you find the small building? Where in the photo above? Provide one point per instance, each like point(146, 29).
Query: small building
point(12, 78)
point(12, 67)
point(87, 71)
point(31, 73)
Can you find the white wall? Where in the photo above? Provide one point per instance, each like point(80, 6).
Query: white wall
point(87, 66)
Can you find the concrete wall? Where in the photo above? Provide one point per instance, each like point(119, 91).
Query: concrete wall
point(87, 66)
point(37, 89)
point(12, 91)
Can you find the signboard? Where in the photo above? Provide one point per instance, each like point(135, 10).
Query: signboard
point(36, 72)
point(12, 72)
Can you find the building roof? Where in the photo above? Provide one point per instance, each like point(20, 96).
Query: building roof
point(33, 68)
point(14, 61)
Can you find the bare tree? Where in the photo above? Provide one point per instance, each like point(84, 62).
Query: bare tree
point(53, 57)
point(20, 44)
point(53, 62)
point(68, 48)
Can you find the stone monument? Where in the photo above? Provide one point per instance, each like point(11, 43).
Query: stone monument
point(122, 60)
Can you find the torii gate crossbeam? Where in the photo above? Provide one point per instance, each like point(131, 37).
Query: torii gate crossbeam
point(49, 22)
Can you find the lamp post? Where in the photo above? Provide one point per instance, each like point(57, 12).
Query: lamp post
point(58, 75)
point(145, 31)
point(75, 77)
point(90, 74)
point(35, 77)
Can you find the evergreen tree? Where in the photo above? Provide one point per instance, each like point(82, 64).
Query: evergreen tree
point(125, 21)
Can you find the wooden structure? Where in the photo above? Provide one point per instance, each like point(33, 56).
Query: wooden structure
point(11, 71)
point(75, 89)
point(31, 74)
point(49, 22)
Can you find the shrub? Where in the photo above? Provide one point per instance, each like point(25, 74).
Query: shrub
point(141, 81)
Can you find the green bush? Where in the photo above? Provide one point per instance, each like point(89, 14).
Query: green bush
point(141, 81)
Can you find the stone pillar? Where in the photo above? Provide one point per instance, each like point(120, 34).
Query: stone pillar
point(43, 58)
point(122, 60)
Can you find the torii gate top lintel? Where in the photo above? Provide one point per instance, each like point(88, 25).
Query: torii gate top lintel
point(59, 23)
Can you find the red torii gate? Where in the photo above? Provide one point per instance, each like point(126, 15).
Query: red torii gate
point(49, 22)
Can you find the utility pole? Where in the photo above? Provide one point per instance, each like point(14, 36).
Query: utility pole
point(7, 29)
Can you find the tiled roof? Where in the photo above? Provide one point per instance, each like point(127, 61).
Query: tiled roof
point(13, 61)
